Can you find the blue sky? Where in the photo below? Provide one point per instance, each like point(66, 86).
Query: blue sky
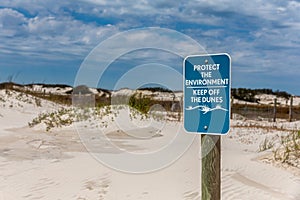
point(46, 41)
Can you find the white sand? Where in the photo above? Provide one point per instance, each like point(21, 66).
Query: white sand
point(55, 165)
point(244, 177)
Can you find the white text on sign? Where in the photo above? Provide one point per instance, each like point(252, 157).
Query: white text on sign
point(200, 95)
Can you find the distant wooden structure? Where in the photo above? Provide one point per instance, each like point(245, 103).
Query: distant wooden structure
point(83, 97)
point(291, 109)
point(275, 110)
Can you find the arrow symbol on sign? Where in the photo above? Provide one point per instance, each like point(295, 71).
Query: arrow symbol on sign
point(206, 109)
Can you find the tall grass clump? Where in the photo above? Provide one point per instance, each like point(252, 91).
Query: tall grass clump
point(289, 150)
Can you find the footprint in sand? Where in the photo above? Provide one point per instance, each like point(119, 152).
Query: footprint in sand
point(95, 188)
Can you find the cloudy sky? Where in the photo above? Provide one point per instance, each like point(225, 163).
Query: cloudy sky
point(47, 41)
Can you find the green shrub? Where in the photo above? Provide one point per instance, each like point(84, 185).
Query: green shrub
point(140, 103)
point(289, 149)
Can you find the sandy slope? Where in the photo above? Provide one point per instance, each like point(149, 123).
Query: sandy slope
point(35, 164)
point(44, 166)
point(244, 177)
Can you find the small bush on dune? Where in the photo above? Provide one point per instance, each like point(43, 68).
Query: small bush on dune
point(266, 145)
point(140, 103)
point(289, 150)
point(38, 102)
point(53, 119)
point(67, 116)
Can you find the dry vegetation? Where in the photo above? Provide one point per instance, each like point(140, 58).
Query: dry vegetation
point(285, 149)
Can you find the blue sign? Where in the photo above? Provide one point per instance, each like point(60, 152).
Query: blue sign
point(207, 94)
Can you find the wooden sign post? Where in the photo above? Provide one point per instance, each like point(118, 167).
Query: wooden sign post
point(211, 167)
point(207, 111)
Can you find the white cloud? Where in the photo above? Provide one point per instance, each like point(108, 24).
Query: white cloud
point(50, 34)
point(261, 35)
point(11, 22)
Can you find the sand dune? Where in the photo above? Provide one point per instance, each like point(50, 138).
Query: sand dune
point(63, 163)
